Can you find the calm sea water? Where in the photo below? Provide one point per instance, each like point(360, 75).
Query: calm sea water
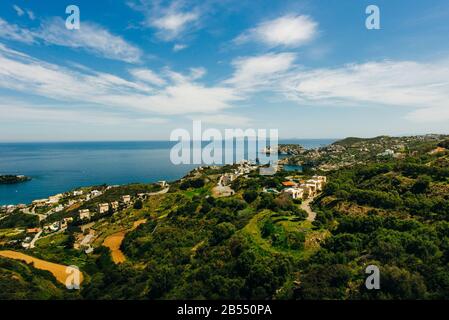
point(60, 167)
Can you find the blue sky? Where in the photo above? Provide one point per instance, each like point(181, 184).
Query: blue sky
point(138, 69)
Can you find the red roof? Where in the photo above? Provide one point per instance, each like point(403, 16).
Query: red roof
point(288, 183)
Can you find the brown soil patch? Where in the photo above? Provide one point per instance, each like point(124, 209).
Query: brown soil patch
point(58, 270)
point(114, 241)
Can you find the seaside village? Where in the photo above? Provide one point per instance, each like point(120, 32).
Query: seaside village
point(45, 208)
point(84, 212)
point(295, 186)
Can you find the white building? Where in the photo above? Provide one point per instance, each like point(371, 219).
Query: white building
point(78, 193)
point(95, 193)
point(114, 205)
point(295, 193)
point(103, 207)
point(126, 199)
point(84, 214)
point(54, 199)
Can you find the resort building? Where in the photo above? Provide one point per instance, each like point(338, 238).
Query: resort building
point(84, 214)
point(295, 193)
point(114, 205)
point(126, 199)
point(54, 199)
point(103, 207)
point(95, 193)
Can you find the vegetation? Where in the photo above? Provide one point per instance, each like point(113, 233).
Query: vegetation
point(11, 179)
point(392, 212)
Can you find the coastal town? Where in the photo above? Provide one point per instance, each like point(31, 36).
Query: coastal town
point(290, 214)
point(71, 206)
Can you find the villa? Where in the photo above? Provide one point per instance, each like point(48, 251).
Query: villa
point(54, 199)
point(103, 207)
point(84, 214)
point(295, 193)
point(95, 193)
point(114, 205)
point(78, 193)
point(126, 199)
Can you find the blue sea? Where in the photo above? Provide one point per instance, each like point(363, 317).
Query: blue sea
point(59, 167)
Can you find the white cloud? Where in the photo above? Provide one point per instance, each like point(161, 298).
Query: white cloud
point(91, 37)
point(178, 47)
point(31, 76)
point(256, 71)
point(289, 31)
point(31, 15)
point(147, 75)
point(232, 121)
point(18, 10)
point(408, 84)
point(173, 23)
point(14, 32)
point(53, 114)
point(197, 73)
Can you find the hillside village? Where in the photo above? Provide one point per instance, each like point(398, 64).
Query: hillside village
point(78, 207)
point(238, 223)
point(354, 151)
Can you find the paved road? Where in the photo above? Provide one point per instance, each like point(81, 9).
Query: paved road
point(158, 192)
point(36, 237)
point(33, 213)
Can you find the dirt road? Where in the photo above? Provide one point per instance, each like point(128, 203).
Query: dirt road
point(305, 205)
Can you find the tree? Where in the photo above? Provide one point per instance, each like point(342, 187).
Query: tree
point(222, 232)
point(421, 185)
point(250, 195)
point(138, 204)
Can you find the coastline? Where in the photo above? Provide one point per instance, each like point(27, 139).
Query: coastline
point(60, 167)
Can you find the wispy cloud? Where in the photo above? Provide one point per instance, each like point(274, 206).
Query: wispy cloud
point(178, 47)
point(228, 120)
point(91, 38)
point(14, 32)
point(147, 75)
point(20, 12)
point(407, 84)
point(31, 15)
point(288, 31)
point(257, 71)
point(171, 20)
point(172, 24)
point(180, 95)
